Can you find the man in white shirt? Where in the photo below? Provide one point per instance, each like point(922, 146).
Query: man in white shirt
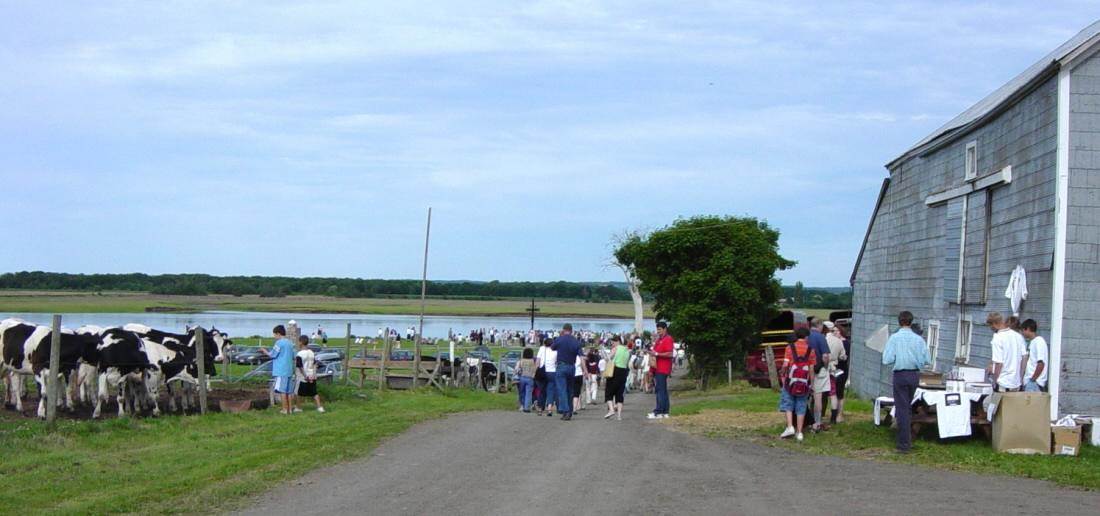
point(1008, 348)
point(1035, 375)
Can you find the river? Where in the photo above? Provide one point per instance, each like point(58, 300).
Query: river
point(247, 324)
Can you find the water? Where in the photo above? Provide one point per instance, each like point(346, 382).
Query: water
point(247, 324)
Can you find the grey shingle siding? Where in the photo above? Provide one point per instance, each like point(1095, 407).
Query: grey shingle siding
point(1080, 347)
point(910, 261)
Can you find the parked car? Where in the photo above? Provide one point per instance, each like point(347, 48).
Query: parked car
point(326, 371)
point(338, 351)
point(401, 354)
point(250, 355)
point(328, 356)
point(482, 353)
point(508, 361)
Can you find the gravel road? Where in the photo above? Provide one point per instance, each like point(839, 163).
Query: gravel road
point(512, 463)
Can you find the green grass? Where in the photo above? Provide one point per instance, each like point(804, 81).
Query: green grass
point(202, 463)
point(138, 302)
point(859, 438)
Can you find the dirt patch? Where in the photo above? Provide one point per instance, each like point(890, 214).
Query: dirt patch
point(725, 421)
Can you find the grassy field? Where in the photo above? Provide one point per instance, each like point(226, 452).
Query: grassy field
point(134, 302)
point(202, 464)
point(744, 412)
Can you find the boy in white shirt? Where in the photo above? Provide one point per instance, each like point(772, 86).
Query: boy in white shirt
point(1035, 375)
point(305, 372)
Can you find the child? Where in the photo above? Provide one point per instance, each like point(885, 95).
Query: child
point(306, 372)
point(796, 376)
point(282, 366)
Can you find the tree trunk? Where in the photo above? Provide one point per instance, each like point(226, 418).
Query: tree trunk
point(632, 284)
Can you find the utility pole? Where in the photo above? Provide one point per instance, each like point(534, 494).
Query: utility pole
point(423, 296)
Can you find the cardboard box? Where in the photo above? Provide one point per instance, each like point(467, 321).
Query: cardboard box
point(970, 374)
point(1021, 423)
point(1065, 440)
point(932, 380)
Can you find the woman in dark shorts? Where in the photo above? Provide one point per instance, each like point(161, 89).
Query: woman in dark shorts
point(842, 365)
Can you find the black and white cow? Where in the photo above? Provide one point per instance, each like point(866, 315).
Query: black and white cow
point(122, 363)
point(25, 351)
point(181, 382)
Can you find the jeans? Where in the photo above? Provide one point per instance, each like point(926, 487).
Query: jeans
point(905, 385)
point(564, 385)
point(550, 391)
point(526, 386)
point(1032, 387)
point(661, 387)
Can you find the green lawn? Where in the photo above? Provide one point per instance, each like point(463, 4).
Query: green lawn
point(743, 412)
point(137, 302)
point(202, 463)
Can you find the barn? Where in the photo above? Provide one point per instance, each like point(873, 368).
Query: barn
point(1014, 181)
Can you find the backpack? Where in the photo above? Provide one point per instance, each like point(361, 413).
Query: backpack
point(801, 372)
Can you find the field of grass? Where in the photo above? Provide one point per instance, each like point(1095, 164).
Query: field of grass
point(135, 302)
point(744, 412)
point(202, 464)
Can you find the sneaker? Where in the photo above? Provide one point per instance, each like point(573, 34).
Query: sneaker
point(652, 416)
point(550, 414)
point(284, 412)
point(787, 433)
point(608, 415)
point(665, 416)
point(618, 417)
point(321, 409)
point(798, 436)
point(297, 410)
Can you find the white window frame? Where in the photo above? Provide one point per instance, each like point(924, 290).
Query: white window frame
point(932, 337)
point(970, 161)
point(963, 342)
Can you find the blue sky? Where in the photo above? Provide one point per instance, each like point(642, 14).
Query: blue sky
point(241, 138)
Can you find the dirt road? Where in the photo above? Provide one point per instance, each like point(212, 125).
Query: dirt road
point(512, 463)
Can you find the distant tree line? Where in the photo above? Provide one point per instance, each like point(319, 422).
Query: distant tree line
point(278, 286)
point(799, 296)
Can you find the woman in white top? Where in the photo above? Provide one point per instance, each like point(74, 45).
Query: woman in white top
point(547, 362)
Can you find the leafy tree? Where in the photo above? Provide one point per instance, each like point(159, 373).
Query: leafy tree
point(799, 295)
point(713, 279)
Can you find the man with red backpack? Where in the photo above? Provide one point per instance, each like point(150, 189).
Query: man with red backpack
point(797, 379)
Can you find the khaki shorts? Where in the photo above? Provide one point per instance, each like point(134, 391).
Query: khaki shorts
point(821, 381)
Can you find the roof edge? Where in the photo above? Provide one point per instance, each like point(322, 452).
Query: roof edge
point(1001, 98)
point(870, 225)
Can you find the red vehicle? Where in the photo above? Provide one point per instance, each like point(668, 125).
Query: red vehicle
point(774, 336)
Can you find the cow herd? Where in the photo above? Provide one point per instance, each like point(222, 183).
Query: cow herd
point(133, 362)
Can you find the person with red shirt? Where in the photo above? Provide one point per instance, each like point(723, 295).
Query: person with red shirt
point(663, 351)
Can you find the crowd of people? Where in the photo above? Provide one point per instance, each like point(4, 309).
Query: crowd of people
point(814, 370)
point(1018, 362)
point(567, 372)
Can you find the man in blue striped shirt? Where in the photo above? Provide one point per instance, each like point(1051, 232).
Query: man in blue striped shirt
point(907, 353)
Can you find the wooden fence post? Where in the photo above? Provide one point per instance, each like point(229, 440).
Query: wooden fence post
point(200, 361)
point(385, 357)
point(52, 386)
point(347, 353)
point(773, 375)
point(729, 372)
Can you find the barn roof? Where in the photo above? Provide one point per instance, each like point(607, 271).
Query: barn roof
point(1002, 97)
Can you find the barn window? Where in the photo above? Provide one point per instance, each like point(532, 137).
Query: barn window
point(972, 160)
point(962, 340)
point(932, 337)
